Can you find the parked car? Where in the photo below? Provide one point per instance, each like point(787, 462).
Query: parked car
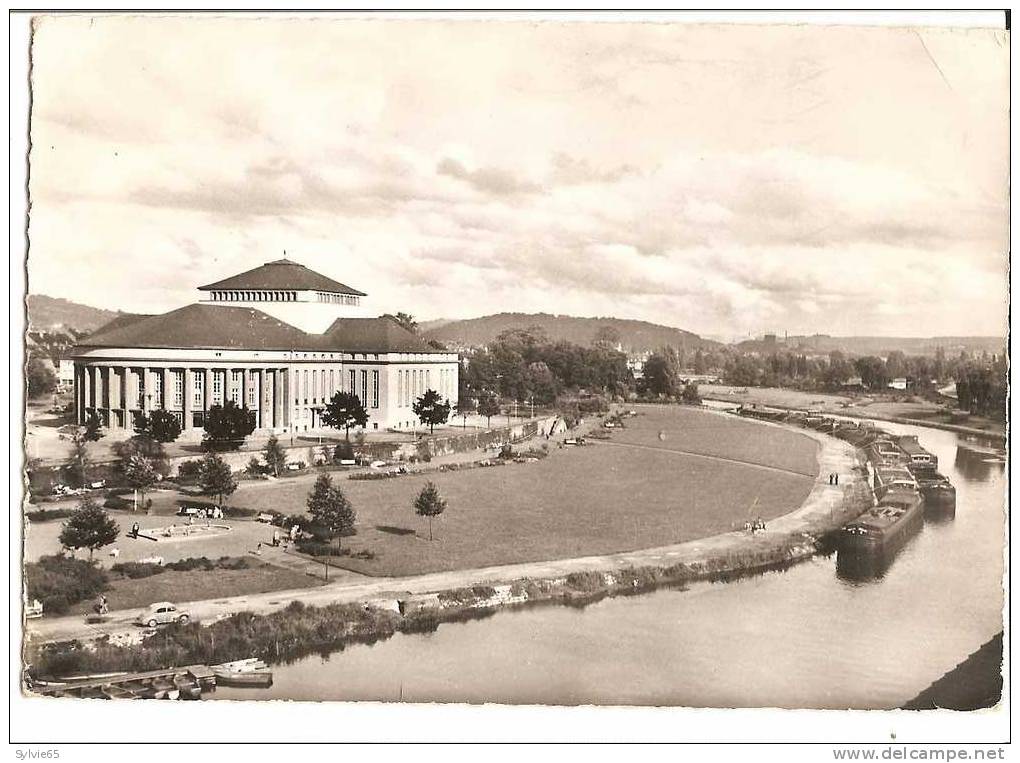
point(161, 613)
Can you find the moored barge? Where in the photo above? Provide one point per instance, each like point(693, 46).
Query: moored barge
point(886, 527)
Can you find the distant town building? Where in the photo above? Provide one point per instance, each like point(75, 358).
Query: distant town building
point(279, 339)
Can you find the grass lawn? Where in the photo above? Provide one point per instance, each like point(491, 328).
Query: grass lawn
point(598, 499)
point(195, 585)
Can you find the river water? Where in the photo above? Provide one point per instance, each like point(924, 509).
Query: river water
point(805, 637)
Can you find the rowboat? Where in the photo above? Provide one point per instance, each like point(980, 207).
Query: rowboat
point(251, 673)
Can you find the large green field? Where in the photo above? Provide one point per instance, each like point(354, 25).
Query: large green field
point(646, 487)
point(636, 492)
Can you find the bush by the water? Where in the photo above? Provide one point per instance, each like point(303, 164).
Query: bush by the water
point(60, 581)
point(290, 633)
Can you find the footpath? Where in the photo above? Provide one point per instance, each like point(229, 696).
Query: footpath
point(825, 509)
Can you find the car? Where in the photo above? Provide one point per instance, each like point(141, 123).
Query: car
point(161, 613)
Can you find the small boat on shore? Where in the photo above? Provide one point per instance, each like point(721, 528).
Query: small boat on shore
point(251, 673)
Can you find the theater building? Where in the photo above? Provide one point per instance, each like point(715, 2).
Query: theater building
point(279, 339)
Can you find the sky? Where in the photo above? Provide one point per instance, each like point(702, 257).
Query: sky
point(728, 180)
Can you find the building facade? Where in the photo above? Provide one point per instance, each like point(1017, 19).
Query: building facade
point(238, 344)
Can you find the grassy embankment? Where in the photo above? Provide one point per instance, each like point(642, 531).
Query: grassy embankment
point(888, 406)
point(299, 630)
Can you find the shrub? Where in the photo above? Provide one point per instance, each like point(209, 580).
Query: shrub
point(53, 577)
point(45, 515)
point(343, 452)
point(136, 570)
point(237, 511)
point(314, 547)
point(585, 581)
point(124, 503)
point(55, 604)
point(188, 469)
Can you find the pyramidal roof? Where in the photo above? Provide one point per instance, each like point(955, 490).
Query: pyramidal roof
point(285, 275)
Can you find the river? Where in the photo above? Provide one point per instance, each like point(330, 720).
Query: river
point(804, 637)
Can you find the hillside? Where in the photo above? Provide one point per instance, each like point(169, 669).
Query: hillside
point(881, 345)
point(634, 336)
point(50, 313)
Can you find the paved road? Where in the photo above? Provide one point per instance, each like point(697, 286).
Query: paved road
point(818, 513)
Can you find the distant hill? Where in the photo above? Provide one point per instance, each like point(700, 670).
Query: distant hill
point(881, 345)
point(51, 314)
point(634, 336)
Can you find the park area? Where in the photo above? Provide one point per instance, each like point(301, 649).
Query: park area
point(672, 474)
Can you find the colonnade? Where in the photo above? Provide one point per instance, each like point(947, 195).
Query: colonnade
point(120, 391)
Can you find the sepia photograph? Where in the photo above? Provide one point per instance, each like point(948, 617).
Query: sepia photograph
point(438, 362)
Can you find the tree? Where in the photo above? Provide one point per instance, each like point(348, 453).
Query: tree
point(465, 406)
point(429, 504)
point(39, 377)
point(89, 527)
point(80, 460)
point(330, 509)
point(660, 375)
point(226, 426)
point(488, 407)
point(139, 474)
point(215, 477)
point(431, 409)
point(343, 411)
point(690, 393)
point(405, 320)
point(275, 455)
point(872, 372)
point(93, 427)
point(160, 425)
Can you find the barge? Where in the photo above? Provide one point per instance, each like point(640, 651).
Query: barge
point(886, 527)
point(919, 457)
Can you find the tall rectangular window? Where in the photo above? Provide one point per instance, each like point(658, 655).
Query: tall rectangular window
point(217, 387)
point(364, 387)
point(179, 389)
point(157, 388)
point(332, 384)
point(400, 389)
point(253, 392)
point(353, 378)
point(428, 377)
point(315, 385)
point(375, 389)
point(197, 389)
point(304, 386)
point(235, 387)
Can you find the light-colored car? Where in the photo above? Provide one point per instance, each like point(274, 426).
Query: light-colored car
point(161, 613)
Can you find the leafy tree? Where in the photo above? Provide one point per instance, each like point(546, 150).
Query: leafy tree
point(226, 426)
point(343, 411)
point(275, 455)
point(160, 425)
point(39, 377)
point(330, 509)
point(140, 474)
point(690, 393)
point(79, 463)
point(431, 409)
point(429, 504)
point(89, 527)
point(488, 407)
point(872, 372)
point(405, 320)
point(660, 375)
point(215, 477)
point(465, 406)
point(93, 427)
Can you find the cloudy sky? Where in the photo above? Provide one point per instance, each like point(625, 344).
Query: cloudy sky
point(725, 180)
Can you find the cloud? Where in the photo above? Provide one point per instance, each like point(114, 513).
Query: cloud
point(487, 179)
point(615, 169)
